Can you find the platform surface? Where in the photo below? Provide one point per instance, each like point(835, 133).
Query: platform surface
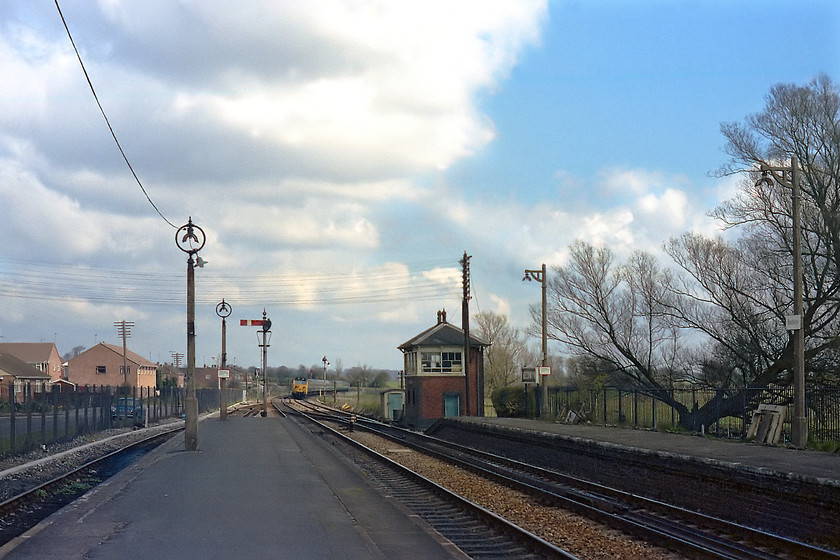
point(816, 466)
point(256, 488)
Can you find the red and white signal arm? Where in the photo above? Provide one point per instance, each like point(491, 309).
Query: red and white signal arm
point(544, 370)
point(224, 373)
point(251, 322)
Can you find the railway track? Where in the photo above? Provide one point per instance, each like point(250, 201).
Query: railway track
point(478, 532)
point(24, 510)
point(674, 528)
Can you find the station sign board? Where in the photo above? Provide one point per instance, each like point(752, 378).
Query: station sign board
point(529, 375)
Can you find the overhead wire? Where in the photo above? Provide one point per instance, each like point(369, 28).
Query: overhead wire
point(32, 280)
point(108, 122)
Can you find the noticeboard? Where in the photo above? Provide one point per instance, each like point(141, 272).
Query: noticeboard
point(224, 373)
point(529, 375)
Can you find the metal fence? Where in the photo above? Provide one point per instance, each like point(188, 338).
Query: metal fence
point(637, 408)
point(32, 420)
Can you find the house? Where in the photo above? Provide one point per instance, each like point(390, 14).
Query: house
point(171, 375)
point(20, 378)
point(42, 355)
point(435, 380)
point(206, 377)
point(103, 365)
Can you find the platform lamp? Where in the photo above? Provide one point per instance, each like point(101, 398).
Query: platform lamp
point(223, 310)
point(190, 238)
point(795, 323)
point(326, 363)
point(539, 276)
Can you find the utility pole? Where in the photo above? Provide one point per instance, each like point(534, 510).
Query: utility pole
point(176, 358)
point(799, 425)
point(465, 322)
point(124, 330)
point(539, 276)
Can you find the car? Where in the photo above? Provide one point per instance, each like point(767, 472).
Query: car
point(125, 408)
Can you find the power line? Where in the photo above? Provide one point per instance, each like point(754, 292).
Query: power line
point(102, 110)
point(55, 282)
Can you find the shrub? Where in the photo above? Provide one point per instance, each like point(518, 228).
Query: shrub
point(510, 401)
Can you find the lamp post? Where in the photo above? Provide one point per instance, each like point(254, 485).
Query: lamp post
point(539, 276)
point(799, 426)
point(190, 238)
point(326, 363)
point(223, 310)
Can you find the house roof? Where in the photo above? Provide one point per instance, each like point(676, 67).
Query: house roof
point(29, 352)
point(442, 334)
point(14, 366)
point(129, 355)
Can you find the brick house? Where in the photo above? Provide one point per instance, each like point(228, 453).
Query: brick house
point(103, 365)
point(206, 377)
point(18, 377)
point(42, 355)
point(435, 383)
point(169, 373)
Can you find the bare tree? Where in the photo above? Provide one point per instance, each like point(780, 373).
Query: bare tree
point(507, 352)
point(801, 121)
point(617, 315)
point(731, 297)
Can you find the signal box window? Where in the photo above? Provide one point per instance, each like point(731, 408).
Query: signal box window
point(441, 362)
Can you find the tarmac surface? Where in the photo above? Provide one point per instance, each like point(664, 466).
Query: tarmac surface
point(256, 488)
point(815, 466)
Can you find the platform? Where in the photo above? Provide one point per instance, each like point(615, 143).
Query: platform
point(256, 488)
point(814, 466)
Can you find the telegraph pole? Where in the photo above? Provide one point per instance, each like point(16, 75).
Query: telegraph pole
point(124, 330)
point(465, 322)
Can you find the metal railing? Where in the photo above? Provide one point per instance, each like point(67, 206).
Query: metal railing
point(30, 419)
point(638, 408)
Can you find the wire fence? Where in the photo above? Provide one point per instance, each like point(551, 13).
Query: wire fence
point(29, 419)
point(638, 408)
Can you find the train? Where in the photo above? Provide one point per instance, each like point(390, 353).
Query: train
point(302, 387)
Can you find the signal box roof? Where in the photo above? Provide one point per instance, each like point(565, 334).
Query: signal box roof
point(442, 334)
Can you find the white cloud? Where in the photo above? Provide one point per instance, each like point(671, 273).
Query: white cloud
point(308, 139)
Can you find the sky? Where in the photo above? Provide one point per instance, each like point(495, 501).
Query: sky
point(342, 156)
